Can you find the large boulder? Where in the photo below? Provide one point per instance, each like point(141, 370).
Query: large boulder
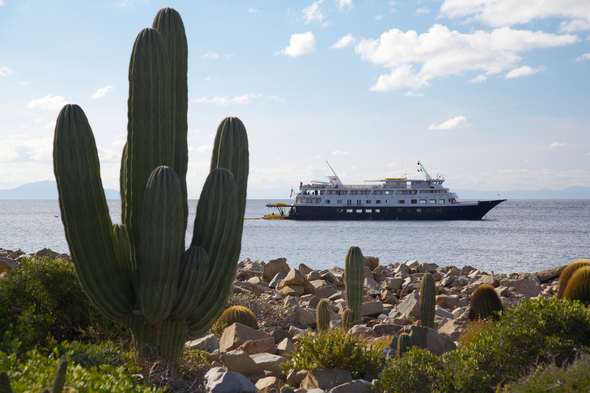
point(526, 288)
point(356, 386)
point(371, 262)
point(326, 379)
point(219, 380)
point(237, 334)
point(410, 306)
point(273, 267)
point(296, 278)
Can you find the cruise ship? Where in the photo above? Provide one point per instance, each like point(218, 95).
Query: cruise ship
point(387, 199)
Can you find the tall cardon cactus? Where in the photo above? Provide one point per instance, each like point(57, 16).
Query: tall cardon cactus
point(138, 272)
point(354, 278)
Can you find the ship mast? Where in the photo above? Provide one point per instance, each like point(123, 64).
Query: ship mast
point(424, 170)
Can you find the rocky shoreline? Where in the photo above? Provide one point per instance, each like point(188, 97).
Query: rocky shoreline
point(284, 299)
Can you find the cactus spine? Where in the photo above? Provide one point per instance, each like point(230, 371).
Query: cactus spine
point(578, 287)
point(235, 314)
point(404, 342)
point(427, 300)
point(347, 320)
point(567, 273)
point(485, 303)
point(322, 313)
point(138, 272)
point(354, 279)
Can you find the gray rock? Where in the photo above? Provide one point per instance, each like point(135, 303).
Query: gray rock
point(372, 308)
point(410, 306)
point(325, 379)
point(356, 386)
point(273, 267)
point(275, 280)
point(219, 380)
point(208, 342)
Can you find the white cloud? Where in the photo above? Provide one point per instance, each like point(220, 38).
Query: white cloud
point(412, 94)
point(229, 55)
point(510, 12)
point(392, 165)
point(477, 79)
point(340, 153)
point(585, 56)
point(455, 122)
point(347, 40)
point(102, 92)
point(108, 155)
point(48, 102)
point(423, 10)
point(226, 100)
point(574, 25)
point(50, 125)
point(5, 71)
point(342, 4)
point(521, 71)
point(1, 3)
point(19, 147)
point(275, 99)
point(442, 52)
point(300, 44)
point(203, 148)
point(211, 55)
point(313, 13)
point(557, 144)
point(254, 11)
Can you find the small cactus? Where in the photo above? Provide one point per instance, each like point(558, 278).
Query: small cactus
point(578, 287)
point(485, 303)
point(567, 274)
point(323, 315)
point(427, 300)
point(404, 342)
point(5, 383)
point(347, 320)
point(354, 279)
point(235, 314)
point(60, 376)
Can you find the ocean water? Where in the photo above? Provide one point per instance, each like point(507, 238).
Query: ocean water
point(516, 236)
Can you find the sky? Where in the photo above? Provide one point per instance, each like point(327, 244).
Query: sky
point(492, 94)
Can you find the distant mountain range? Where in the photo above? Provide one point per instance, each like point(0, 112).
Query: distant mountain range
point(48, 190)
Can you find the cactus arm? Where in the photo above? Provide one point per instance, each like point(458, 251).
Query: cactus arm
point(149, 127)
point(169, 23)
point(323, 315)
point(85, 215)
point(427, 300)
point(193, 275)
point(354, 279)
point(60, 377)
point(217, 232)
point(160, 245)
point(404, 342)
point(347, 320)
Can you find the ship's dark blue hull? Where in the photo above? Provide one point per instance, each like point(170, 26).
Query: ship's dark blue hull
point(471, 211)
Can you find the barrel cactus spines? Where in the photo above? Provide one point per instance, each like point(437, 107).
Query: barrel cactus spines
point(404, 342)
point(567, 273)
point(578, 287)
point(485, 304)
point(138, 272)
point(60, 376)
point(427, 300)
point(322, 312)
point(347, 320)
point(354, 279)
point(234, 314)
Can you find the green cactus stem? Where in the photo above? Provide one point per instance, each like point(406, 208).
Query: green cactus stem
point(578, 287)
point(138, 272)
point(567, 273)
point(427, 300)
point(404, 342)
point(354, 279)
point(322, 312)
point(60, 376)
point(234, 314)
point(347, 320)
point(485, 304)
point(5, 383)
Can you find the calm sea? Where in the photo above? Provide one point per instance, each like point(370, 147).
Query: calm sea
point(516, 236)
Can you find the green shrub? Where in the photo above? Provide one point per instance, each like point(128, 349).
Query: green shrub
point(100, 368)
point(334, 349)
point(537, 332)
point(42, 301)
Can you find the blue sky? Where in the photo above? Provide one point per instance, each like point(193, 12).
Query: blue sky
point(493, 94)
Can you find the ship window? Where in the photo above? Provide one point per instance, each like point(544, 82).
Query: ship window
point(349, 202)
point(339, 201)
point(438, 210)
point(349, 210)
point(409, 210)
point(338, 210)
point(358, 202)
point(441, 201)
point(399, 210)
point(368, 201)
point(386, 192)
point(422, 201)
point(327, 201)
point(359, 210)
point(414, 201)
point(428, 210)
point(401, 201)
point(377, 210)
point(378, 201)
point(419, 210)
point(368, 210)
point(432, 200)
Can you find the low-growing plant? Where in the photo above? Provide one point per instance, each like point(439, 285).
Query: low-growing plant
point(42, 300)
point(335, 349)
